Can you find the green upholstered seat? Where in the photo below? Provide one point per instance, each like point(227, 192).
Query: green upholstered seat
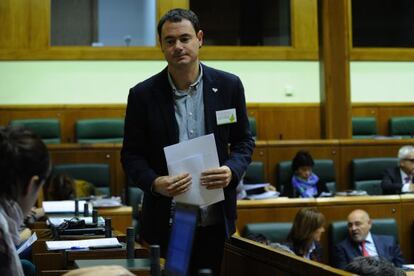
point(273, 231)
point(252, 123)
point(339, 229)
point(47, 129)
point(372, 187)
point(364, 127)
point(97, 174)
point(254, 173)
point(324, 168)
point(134, 197)
point(94, 131)
point(369, 169)
point(402, 126)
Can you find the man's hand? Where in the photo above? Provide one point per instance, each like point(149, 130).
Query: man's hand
point(216, 178)
point(172, 185)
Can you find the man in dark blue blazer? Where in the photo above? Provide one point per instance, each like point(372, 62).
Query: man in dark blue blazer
point(399, 179)
point(186, 100)
point(360, 242)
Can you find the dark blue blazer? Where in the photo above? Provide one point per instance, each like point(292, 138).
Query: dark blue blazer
point(391, 181)
point(386, 246)
point(150, 125)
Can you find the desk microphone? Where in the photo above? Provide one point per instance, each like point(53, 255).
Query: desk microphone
point(86, 209)
point(108, 228)
point(76, 208)
point(130, 243)
point(154, 257)
point(95, 217)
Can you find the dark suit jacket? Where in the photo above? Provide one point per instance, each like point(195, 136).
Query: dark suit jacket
point(391, 181)
point(386, 246)
point(150, 125)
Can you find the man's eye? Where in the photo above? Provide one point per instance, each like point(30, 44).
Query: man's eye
point(184, 39)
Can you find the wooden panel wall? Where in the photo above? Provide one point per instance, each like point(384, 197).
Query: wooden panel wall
point(274, 121)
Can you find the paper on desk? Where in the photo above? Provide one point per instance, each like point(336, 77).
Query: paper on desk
point(27, 243)
point(59, 245)
point(194, 156)
point(63, 206)
point(248, 187)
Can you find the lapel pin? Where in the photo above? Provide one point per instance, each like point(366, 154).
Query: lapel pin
point(214, 89)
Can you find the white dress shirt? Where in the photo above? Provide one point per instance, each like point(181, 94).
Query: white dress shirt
point(370, 246)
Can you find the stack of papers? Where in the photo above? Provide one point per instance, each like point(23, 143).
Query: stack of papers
point(63, 206)
point(56, 221)
point(82, 244)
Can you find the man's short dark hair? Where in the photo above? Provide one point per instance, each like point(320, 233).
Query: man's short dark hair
point(372, 266)
point(177, 15)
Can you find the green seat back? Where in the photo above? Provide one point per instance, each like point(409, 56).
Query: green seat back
point(339, 230)
point(47, 129)
point(254, 173)
point(252, 123)
point(364, 169)
point(97, 174)
point(372, 187)
point(273, 231)
point(402, 126)
point(364, 127)
point(93, 131)
point(324, 168)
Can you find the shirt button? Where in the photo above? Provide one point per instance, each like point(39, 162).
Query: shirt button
point(191, 131)
point(190, 114)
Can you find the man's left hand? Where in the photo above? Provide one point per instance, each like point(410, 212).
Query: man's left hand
point(216, 178)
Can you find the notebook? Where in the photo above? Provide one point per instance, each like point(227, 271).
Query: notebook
point(181, 240)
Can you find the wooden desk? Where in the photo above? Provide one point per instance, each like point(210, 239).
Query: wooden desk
point(243, 257)
point(334, 209)
point(121, 217)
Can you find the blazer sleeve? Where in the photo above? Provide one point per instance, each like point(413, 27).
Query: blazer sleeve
point(397, 257)
point(240, 139)
point(135, 146)
point(339, 257)
point(390, 184)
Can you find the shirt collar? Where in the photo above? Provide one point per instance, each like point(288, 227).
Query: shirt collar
point(193, 86)
point(403, 176)
point(369, 239)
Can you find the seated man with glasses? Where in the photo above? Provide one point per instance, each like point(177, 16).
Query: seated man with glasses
point(399, 179)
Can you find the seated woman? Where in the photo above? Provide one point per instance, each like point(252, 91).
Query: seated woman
point(63, 187)
point(24, 166)
point(304, 183)
point(305, 234)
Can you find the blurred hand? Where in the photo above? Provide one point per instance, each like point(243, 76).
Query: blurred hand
point(216, 178)
point(411, 187)
point(172, 185)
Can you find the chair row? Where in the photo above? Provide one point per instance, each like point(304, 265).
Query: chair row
point(88, 131)
point(366, 127)
point(338, 230)
point(366, 173)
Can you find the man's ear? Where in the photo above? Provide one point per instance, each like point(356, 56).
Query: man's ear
point(200, 36)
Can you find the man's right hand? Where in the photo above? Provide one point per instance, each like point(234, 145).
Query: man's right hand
point(172, 185)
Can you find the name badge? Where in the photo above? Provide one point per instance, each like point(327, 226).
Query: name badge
point(227, 116)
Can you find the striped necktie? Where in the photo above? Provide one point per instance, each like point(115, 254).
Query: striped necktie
point(364, 249)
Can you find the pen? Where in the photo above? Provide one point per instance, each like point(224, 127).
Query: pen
point(105, 246)
point(77, 248)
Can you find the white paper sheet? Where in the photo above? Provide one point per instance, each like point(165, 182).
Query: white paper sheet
point(63, 206)
point(27, 243)
point(81, 244)
point(194, 156)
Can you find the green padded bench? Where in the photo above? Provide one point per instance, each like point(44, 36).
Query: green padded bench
point(252, 123)
point(273, 231)
point(366, 173)
point(97, 174)
point(47, 129)
point(94, 131)
point(324, 168)
point(254, 173)
point(402, 126)
point(364, 127)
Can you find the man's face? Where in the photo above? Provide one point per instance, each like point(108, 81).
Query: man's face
point(359, 226)
point(407, 164)
point(180, 43)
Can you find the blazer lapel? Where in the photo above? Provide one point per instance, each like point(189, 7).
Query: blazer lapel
point(210, 98)
point(378, 246)
point(164, 97)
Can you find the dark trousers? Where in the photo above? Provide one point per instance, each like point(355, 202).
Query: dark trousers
point(208, 247)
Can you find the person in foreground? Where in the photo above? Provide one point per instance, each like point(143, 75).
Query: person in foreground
point(184, 101)
point(304, 183)
point(360, 242)
point(399, 179)
point(373, 266)
point(24, 166)
point(305, 234)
